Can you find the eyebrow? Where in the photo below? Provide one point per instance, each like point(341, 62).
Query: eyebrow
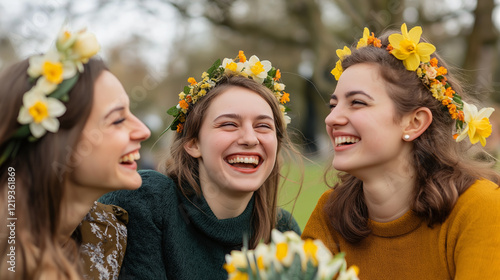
point(351, 93)
point(237, 116)
point(116, 109)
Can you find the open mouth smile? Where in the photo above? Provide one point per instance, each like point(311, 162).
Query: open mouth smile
point(244, 161)
point(130, 157)
point(345, 140)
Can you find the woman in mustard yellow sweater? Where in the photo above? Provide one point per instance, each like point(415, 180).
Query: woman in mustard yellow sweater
point(408, 203)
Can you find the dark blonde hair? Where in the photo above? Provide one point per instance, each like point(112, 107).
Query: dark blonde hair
point(40, 170)
point(443, 171)
point(184, 169)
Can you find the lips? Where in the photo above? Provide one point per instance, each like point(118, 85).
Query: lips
point(130, 157)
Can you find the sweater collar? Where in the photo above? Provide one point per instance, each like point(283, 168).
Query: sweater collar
point(403, 225)
point(228, 231)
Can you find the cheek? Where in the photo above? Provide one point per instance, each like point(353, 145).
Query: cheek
point(270, 142)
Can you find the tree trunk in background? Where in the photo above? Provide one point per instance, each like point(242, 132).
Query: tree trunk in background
point(481, 56)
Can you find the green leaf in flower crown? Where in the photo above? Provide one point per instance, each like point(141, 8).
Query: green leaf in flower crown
point(173, 111)
point(22, 132)
point(187, 89)
point(64, 87)
point(272, 72)
point(457, 98)
point(10, 150)
point(213, 67)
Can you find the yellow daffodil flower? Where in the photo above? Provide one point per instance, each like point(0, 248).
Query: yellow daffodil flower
point(478, 126)
point(40, 112)
point(341, 53)
point(407, 47)
point(368, 40)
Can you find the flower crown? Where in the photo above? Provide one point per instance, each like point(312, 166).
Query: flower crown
point(416, 56)
point(260, 71)
point(55, 74)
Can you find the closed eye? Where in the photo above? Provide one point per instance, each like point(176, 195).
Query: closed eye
point(119, 121)
point(226, 124)
point(265, 126)
point(358, 102)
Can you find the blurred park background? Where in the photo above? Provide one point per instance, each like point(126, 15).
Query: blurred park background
point(153, 46)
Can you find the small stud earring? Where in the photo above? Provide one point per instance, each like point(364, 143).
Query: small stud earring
point(406, 137)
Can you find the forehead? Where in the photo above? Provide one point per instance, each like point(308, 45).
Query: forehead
point(108, 91)
point(360, 77)
point(239, 100)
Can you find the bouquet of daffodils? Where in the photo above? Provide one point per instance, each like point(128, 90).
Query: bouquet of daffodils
point(288, 257)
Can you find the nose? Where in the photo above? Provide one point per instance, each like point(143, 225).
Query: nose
point(248, 136)
point(337, 117)
point(140, 131)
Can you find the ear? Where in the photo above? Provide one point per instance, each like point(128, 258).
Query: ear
point(417, 122)
point(192, 148)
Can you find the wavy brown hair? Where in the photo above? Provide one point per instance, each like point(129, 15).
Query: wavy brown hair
point(443, 169)
point(40, 170)
point(184, 169)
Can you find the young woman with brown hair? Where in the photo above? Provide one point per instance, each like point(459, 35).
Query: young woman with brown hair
point(409, 203)
point(66, 138)
point(222, 177)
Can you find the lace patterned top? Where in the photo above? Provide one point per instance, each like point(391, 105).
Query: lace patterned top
point(103, 239)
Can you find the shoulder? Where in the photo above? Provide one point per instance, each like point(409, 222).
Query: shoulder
point(153, 184)
point(152, 179)
point(325, 197)
point(482, 194)
point(103, 234)
point(285, 221)
point(116, 212)
point(156, 191)
point(480, 203)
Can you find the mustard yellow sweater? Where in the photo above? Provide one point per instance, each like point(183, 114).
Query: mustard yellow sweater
point(465, 246)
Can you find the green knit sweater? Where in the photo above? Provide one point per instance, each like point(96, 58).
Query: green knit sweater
point(172, 237)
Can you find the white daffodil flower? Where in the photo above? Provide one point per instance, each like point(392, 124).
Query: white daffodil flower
point(231, 66)
point(40, 112)
point(86, 46)
point(257, 69)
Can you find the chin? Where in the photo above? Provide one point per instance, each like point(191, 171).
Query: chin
point(133, 183)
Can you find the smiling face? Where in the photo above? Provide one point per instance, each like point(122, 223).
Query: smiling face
point(362, 124)
point(237, 144)
point(109, 146)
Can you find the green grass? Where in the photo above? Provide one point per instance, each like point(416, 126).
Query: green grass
point(312, 188)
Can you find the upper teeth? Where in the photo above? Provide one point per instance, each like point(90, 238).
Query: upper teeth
point(345, 139)
point(130, 157)
point(252, 160)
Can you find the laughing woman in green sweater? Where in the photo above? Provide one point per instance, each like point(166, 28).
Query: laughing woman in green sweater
point(408, 204)
point(222, 176)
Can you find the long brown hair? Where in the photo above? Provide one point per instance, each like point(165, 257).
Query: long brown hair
point(443, 169)
point(184, 169)
point(39, 170)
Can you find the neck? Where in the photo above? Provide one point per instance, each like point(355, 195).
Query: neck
point(76, 204)
point(388, 197)
point(225, 206)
